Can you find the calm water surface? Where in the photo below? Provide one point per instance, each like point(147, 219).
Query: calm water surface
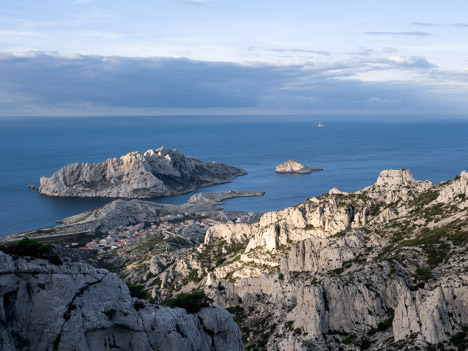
point(352, 153)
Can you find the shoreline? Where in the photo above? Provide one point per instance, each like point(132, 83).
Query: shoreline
point(75, 229)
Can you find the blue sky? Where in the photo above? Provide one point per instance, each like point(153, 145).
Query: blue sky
point(72, 57)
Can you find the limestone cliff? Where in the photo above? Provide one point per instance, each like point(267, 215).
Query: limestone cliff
point(74, 306)
point(160, 172)
point(382, 268)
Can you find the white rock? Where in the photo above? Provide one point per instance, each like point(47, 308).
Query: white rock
point(77, 307)
point(160, 172)
point(292, 166)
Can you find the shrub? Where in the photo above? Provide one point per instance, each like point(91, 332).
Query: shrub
point(422, 274)
point(349, 339)
point(33, 248)
point(138, 305)
point(110, 313)
point(374, 210)
point(192, 302)
point(298, 331)
point(138, 291)
point(460, 340)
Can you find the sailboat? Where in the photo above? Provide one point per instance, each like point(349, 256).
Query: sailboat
point(320, 124)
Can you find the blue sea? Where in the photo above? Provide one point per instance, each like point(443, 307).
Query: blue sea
point(351, 149)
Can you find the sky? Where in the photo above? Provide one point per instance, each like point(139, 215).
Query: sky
point(121, 57)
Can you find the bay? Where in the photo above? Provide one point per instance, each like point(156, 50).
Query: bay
point(351, 149)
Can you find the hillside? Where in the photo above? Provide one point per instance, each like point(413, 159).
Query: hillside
point(382, 268)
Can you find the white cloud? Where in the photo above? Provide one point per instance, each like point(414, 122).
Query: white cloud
point(411, 61)
point(74, 83)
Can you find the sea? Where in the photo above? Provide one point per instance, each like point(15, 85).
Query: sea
point(352, 150)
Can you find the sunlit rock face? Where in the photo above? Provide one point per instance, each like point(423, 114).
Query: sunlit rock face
point(160, 172)
point(381, 268)
point(292, 166)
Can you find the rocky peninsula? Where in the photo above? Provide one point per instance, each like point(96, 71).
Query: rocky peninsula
point(97, 222)
point(292, 166)
point(155, 173)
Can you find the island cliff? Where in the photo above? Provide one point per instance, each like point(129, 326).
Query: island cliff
point(155, 173)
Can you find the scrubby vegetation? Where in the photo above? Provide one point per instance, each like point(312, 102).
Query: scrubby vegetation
point(192, 301)
point(33, 248)
point(138, 291)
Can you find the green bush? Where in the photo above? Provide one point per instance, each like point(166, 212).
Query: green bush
point(422, 274)
point(460, 340)
point(349, 339)
point(192, 301)
point(33, 248)
point(138, 291)
point(110, 313)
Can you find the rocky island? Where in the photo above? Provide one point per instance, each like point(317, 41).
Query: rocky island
point(155, 173)
point(292, 166)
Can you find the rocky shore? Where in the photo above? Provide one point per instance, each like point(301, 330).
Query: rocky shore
point(84, 227)
point(155, 173)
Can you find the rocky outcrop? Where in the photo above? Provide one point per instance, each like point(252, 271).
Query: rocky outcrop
point(128, 212)
point(77, 307)
point(382, 268)
point(292, 166)
point(155, 173)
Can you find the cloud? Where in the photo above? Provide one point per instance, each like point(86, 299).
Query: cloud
point(304, 51)
point(389, 50)
point(77, 84)
point(291, 50)
point(412, 33)
point(363, 52)
point(427, 24)
point(411, 62)
point(194, 2)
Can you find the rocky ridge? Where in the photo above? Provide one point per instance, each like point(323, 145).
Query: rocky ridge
point(381, 268)
point(73, 306)
point(292, 166)
point(128, 212)
point(155, 173)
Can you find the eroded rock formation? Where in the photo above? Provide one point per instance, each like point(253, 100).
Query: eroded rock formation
point(382, 268)
point(74, 306)
point(160, 172)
